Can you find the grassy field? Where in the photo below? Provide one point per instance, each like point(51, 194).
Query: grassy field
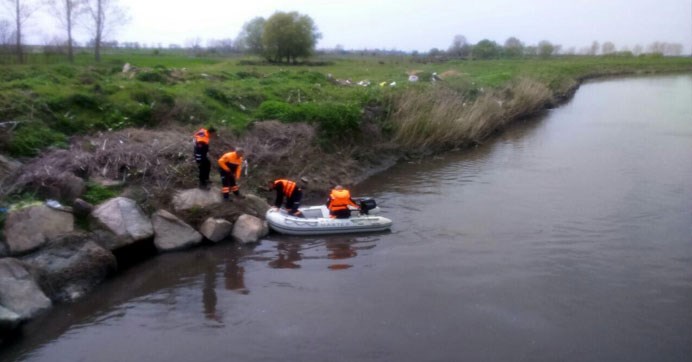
point(48, 103)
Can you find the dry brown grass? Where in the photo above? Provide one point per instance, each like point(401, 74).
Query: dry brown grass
point(444, 118)
point(159, 161)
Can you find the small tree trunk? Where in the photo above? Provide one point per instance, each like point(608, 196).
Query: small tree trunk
point(99, 29)
point(68, 9)
point(20, 56)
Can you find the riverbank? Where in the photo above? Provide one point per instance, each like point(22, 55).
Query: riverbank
point(150, 166)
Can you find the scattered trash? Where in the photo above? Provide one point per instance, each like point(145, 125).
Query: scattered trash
point(55, 204)
point(412, 78)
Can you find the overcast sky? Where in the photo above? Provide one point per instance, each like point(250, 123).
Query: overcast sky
point(418, 24)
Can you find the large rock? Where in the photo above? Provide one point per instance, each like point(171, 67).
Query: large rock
point(171, 233)
point(256, 205)
point(30, 227)
point(9, 320)
point(216, 229)
point(81, 208)
point(18, 290)
point(196, 198)
point(249, 229)
point(125, 219)
point(71, 266)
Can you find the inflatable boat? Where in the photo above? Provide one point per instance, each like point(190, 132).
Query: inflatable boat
point(316, 220)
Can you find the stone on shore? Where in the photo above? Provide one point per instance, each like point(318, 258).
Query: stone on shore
point(81, 208)
point(9, 320)
point(171, 233)
point(71, 266)
point(216, 229)
point(256, 205)
point(30, 227)
point(249, 229)
point(19, 292)
point(125, 219)
point(196, 198)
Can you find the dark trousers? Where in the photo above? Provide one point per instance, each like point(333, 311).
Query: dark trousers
point(203, 163)
point(228, 182)
point(204, 169)
point(293, 202)
point(341, 214)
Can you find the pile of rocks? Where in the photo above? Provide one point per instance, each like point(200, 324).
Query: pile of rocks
point(46, 260)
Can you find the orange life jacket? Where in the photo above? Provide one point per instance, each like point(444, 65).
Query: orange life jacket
point(202, 136)
point(340, 199)
point(288, 186)
point(231, 158)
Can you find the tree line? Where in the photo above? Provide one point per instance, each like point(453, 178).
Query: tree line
point(283, 37)
point(514, 48)
point(98, 17)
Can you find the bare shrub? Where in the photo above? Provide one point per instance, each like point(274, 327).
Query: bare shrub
point(442, 117)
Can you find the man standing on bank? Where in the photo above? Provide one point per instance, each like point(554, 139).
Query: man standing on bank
point(289, 190)
point(230, 166)
point(202, 137)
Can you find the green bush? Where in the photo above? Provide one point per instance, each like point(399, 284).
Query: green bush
point(31, 137)
point(332, 118)
point(96, 193)
point(217, 94)
point(151, 77)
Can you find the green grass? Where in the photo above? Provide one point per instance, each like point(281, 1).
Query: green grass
point(96, 194)
point(55, 101)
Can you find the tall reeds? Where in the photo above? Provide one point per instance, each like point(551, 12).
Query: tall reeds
point(440, 117)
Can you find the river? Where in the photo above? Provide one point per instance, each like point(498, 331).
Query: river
point(567, 237)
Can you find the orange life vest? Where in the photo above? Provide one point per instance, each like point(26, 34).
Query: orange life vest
point(288, 186)
point(340, 199)
point(232, 158)
point(202, 136)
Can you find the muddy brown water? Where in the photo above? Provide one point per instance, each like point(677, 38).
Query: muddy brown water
point(565, 238)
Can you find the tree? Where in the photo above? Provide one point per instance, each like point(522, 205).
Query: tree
point(460, 47)
point(67, 11)
point(545, 49)
point(105, 15)
point(594, 48)
point(637, 50)
point(608, 48)
point(250, 37)
point(513, 47)
point(21, 10)
point(289, 36)
point(486, 49)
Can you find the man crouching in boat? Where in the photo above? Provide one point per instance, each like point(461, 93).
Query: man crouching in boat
point(289, 190)
point(338, 202)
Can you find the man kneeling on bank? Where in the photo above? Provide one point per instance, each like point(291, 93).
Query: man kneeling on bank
point(289, 190)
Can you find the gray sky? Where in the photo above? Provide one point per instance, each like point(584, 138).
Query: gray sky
point(421, 24)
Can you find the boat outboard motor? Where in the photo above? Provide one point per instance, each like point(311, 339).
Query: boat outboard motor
point(367, 204)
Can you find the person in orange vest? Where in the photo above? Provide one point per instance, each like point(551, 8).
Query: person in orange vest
point(202, 137)
point(289, 190)
point(338, 202)
point(230, 166)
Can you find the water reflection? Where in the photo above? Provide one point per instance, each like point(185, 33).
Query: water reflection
point(292, 254)
point(209, 298)
point(234, 280)
point(288, 254)
point(339, 250)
